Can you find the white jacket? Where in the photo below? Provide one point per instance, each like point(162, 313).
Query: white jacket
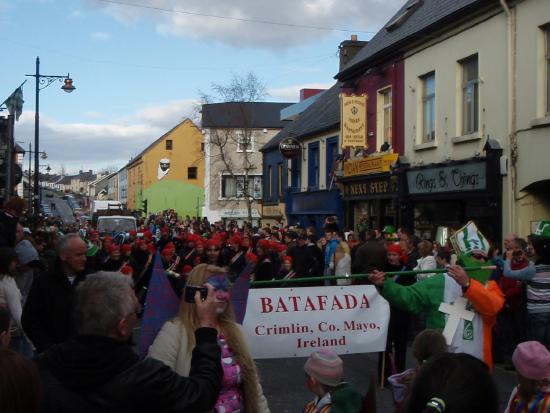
point(10, 297)
point(170, 347)
point(425, 263)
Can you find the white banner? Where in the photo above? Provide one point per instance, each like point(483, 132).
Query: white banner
point(294, 322)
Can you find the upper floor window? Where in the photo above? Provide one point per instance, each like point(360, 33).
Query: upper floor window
point(332, 154)
point(280, 179)
point(270, 178)
point(192, 172)
point(313, 165)
point(168, 144)
point(384, 115)
point(296, 174)
point(428, 107)
point(245, 142)
point(470, 95)
point(237, 186)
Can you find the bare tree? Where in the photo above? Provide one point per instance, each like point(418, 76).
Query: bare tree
point(232, 146)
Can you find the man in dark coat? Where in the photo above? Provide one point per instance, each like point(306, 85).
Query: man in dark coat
point(370, 256)
point(97, 371)
point(47, 314)
point(308, 259)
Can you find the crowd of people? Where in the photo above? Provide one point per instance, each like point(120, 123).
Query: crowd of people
point(71, 297)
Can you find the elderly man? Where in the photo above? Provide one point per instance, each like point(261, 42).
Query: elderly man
point(47, 315)
point(97, 370)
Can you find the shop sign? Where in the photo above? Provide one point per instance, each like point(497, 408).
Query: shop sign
point(456, 178)
point(271, 211)
point(239, 213)
point(290, 148)
point(370, 165)
point(353, 119)
point(376, 187)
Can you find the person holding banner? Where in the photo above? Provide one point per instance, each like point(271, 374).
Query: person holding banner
point(463, 305)
point(241, 391)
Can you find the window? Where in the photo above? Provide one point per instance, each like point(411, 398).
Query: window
point(332, 153)
point(428, 107)
point(270, 177)
point(202, 146)
point(192, 172)
point(470, 95)
point(296, 174)
point(547, 56)
point(245, 142)
point(384, 117)
point(236, 187)
point(168, 144)
point(280, 179)
point(313, 166)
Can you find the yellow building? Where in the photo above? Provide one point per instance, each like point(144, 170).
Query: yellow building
point(169, 173)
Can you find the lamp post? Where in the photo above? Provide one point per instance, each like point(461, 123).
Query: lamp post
point(44, 156)
point(42, 82)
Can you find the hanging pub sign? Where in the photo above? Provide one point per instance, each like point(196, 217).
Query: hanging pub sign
point(290, 148)
point(353, 120)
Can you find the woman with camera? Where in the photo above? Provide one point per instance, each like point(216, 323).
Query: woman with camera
point(241, 391)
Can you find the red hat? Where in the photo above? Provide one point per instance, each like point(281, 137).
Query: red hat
point(212, 243)
point(113, 248)
point(125, 248)
point(394, 248)
point(263, 243)
point(133, 232)
point(187, 269)
point(127, 269)
point(235, 240)
point(251, 258)
point(107, 238)
point(287, 259)
point(147, 235)
point(282, 247)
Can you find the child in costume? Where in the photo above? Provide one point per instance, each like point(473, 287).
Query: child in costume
point(532, 362)
point(324, 370)
point(484, 298)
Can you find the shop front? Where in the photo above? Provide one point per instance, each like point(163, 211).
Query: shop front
point(451, 194)
point(273, 214)
point(371, 192)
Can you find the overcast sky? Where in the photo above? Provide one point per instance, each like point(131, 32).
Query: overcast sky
point(138, 70)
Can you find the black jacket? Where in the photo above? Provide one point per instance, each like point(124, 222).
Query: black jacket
point(369, 257)
point(309, 261)
point(48, 312)
point(90, 374)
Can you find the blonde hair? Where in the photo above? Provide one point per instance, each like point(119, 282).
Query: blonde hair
point(233, 335)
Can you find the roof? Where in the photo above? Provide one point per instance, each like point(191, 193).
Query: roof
point(139, 155)
point(417, 19)
point(254, 115)
point(66, 180)
point(85, 176)
point(322, 115)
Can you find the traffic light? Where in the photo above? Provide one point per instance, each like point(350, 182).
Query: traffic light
point(144, 206)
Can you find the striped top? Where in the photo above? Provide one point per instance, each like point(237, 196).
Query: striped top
point(539, 403)
point(537, 278)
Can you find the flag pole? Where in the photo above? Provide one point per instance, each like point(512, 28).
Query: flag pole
point(363, 276)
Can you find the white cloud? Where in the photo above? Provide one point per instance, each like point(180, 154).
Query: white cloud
point(76, 14)
point(364, 15)
point(95, 145)
point(102, 36)
point(292, 93)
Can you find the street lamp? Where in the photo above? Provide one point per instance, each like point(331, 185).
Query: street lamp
point(42, 82)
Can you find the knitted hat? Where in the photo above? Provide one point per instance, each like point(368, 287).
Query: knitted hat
point(469, 239)
point(394, 248)
point(532, 360)
point(543, 229)
point(325, 366)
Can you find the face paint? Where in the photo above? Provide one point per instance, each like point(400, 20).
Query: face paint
point(219, 282)
point(480, 275)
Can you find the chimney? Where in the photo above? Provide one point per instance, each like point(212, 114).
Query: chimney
point(348, 49)
point(307, 93)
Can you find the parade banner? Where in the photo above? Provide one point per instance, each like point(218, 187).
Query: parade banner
point(353, 118)
point(294, 322)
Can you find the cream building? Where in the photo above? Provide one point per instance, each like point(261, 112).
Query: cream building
point(477, 120)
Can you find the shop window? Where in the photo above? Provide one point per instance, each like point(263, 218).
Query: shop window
point(313, 166)
point(428, 107)
point(168, 144)
point(547, 68)
point(384, 118)
point(192, 172)
point(470, 95)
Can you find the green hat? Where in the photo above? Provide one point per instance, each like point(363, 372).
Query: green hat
point(469, 239)
point(389, 229)
point(542, 229)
